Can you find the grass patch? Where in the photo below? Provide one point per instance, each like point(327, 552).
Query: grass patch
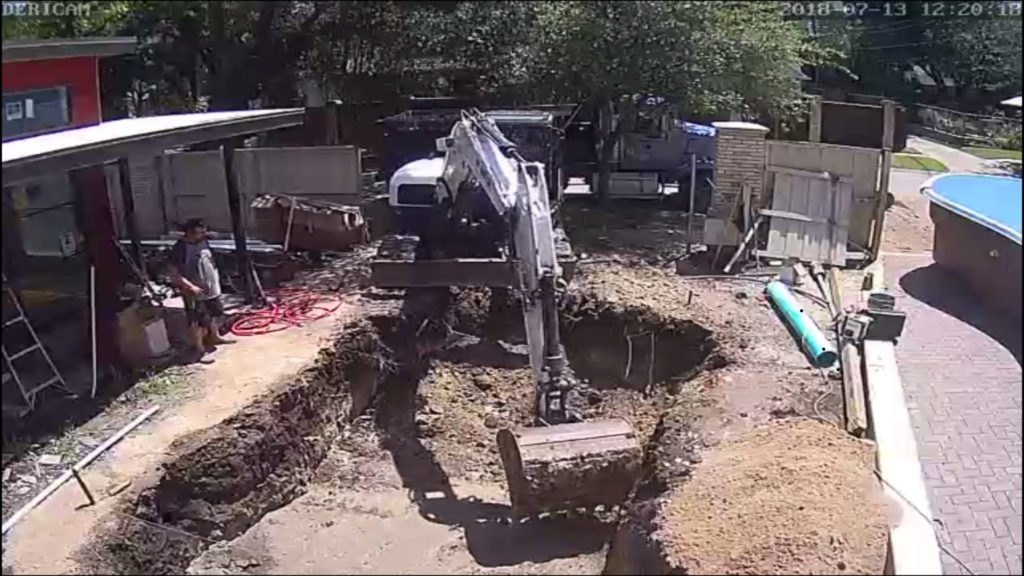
point(158, 385)
point(914, 162)
point(993, 153)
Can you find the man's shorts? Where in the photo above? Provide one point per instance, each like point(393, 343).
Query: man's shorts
point(201, 312)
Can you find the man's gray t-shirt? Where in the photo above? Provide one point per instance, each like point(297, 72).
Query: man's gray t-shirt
point(195, 262)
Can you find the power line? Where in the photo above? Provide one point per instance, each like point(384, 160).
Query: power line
point(926, 43)
point(931, 522)
point(887, 25)
point(900, 27)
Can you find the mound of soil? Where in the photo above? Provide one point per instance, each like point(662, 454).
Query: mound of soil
point(463, 407)
point(794, 497)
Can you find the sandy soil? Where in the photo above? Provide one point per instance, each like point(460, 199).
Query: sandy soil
point(44, 542)
point(766, 377)
point(377, 528)
point(794, 497)
point(907, 226)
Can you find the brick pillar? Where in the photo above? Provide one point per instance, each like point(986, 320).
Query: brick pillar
point(739, 161)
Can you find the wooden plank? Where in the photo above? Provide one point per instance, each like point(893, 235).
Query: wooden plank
point(913, 547)
point(842, 222)
point(747, 208)
point(779, 227)
point(816, 239)
point(888, 124)
point(831, 234)
point(814, 121)
point(853, 390)
point(799, 173)
point(791, 216)
point(880, 203)
point(798, 202)
point(835, 291)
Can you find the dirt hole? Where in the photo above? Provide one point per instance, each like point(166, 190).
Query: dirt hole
point(226, 478)
point(612, 350)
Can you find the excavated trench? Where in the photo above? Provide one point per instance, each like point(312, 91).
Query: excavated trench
point(629, 363)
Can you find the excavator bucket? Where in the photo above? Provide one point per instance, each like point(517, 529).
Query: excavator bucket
point(569, 466)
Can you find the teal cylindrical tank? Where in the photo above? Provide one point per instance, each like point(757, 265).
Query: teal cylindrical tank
point(812, 340)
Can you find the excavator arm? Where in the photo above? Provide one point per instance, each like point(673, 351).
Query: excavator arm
point(478, 158)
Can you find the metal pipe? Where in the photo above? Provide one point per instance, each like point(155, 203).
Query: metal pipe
point(92, 328)
point(130, 219)
point(60, 480)
point(812, 340)
point(693, 195)
point(291, 220)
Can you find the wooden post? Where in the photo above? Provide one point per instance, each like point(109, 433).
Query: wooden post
point(888, 137)
point(128, 199)
point(913, 544)
point(237, 224)
point(161, 186)
point(854, 403)
point(853, 390)
point(814, 121)
point(331, 136)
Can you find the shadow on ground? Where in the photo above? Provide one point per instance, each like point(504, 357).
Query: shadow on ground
point(943, 290)
point(493, 538)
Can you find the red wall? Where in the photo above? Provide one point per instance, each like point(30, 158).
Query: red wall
point(80, 75)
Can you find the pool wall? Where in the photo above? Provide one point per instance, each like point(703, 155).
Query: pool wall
point(989, 262)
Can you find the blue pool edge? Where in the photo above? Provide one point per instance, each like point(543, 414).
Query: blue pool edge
point(928, 190)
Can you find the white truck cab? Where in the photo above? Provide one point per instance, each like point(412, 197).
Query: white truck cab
point(412, 191)
point(414, 185)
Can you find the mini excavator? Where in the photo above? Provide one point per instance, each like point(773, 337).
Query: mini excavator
point(491, 224)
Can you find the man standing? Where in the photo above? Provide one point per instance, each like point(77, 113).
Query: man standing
point(195, 274)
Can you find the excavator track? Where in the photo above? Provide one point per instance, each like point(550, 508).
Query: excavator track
point(569, 466)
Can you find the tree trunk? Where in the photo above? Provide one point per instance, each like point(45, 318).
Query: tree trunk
point(269, 69)
point(216, 64)
point(608, 136)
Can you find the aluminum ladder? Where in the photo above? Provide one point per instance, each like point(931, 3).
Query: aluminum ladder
point(35, 347)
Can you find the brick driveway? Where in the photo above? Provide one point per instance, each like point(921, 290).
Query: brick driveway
point(961, 373)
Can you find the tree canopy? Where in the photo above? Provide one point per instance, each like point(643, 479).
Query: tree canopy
point(978, 51)
point(705, 56)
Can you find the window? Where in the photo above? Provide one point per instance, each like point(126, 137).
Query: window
point(13, 111)
point(35, 111)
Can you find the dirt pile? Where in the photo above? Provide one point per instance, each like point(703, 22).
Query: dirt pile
point(793, 497)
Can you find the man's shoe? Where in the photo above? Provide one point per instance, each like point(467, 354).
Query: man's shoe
point(195, 356)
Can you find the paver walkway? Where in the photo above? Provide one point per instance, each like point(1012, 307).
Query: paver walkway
point(961, 372)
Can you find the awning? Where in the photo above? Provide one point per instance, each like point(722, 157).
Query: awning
point(148, 136)
point(25, 50)
point(1015, 102)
